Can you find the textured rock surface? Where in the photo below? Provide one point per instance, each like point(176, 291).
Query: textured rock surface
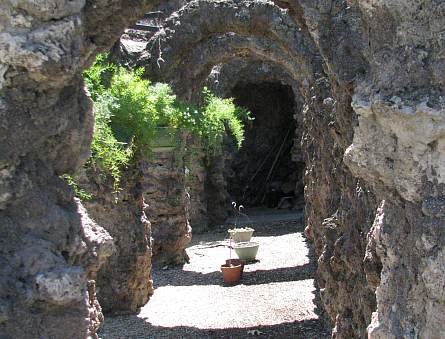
point(339, 211)
point(377, 102)
point(209, 33)
point(195, 165)
point(401, 108)
point(385, 59)
point(50, 249)
point(165, 194)
point(124, 283)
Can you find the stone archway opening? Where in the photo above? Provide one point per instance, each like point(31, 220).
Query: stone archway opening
point(265, 171)
point(373, 144)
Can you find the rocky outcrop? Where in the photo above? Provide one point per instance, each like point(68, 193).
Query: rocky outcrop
point(124, 283)
point(50, 249)
point(164, 191)
point(371, 78)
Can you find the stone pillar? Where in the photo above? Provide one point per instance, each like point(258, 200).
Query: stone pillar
point(195, 179)
point(124, 283)
point(164, 192)
point(50, 250)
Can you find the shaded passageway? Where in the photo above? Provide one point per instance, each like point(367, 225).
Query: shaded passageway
point(370, 76)
point(263, 172)
point(193, 302)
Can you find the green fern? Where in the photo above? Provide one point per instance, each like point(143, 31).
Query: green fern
point(128, 109)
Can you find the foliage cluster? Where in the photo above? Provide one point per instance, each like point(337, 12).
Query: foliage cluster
point(129, 109)
point(212, 119)
point(78, 192)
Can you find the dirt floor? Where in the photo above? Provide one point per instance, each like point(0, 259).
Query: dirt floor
point(276, 297)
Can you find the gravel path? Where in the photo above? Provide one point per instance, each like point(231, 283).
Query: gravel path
point(276, 297)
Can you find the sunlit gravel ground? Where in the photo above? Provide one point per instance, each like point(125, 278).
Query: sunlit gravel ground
point(276, 295)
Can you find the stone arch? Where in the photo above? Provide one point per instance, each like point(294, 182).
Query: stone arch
point(243, 79)
point(46, 127)
point(223, 76)
point(202, 20)
point(221, 49)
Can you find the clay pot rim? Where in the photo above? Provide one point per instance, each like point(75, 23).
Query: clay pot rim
point(230, 266)
point(235, 259)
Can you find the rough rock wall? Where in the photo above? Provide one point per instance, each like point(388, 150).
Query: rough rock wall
point(339, 211)
point(50, 249)
point(401, 108)
point(388, 54)
point(384, 60)
point(124, 282)
point(395, 55)
point(216, 192)
point(195, 162)
point(167, 208)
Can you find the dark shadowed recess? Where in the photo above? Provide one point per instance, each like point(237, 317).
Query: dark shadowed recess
point(262, 172)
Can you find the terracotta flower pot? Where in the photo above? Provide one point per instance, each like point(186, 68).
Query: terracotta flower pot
point(231, 273)
point(236, 262)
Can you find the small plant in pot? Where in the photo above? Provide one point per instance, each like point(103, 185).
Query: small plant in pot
point(232, 269)
point(240, 234)
point(244, 247)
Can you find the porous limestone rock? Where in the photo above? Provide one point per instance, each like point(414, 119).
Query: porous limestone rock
point(124, 282)
point(370, 75)
point(164, 191)
point(50, 250)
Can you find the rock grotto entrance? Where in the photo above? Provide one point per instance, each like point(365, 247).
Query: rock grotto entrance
point(371, 79)
point(264, 171)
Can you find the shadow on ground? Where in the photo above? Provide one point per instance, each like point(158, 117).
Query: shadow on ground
point(311, 325)
point(307, 329)
point(171, 277)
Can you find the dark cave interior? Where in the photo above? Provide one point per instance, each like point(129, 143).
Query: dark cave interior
point(262, 172)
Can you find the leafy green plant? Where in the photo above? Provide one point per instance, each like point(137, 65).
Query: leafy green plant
point(129, 109)
point(141, 108)
point(78, 192)
point(218, 114)
point(107, 152)
point(212, 119)
point(97, 77)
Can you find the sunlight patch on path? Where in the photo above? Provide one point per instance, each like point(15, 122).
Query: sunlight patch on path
point(275, 252)
point(214, 306)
